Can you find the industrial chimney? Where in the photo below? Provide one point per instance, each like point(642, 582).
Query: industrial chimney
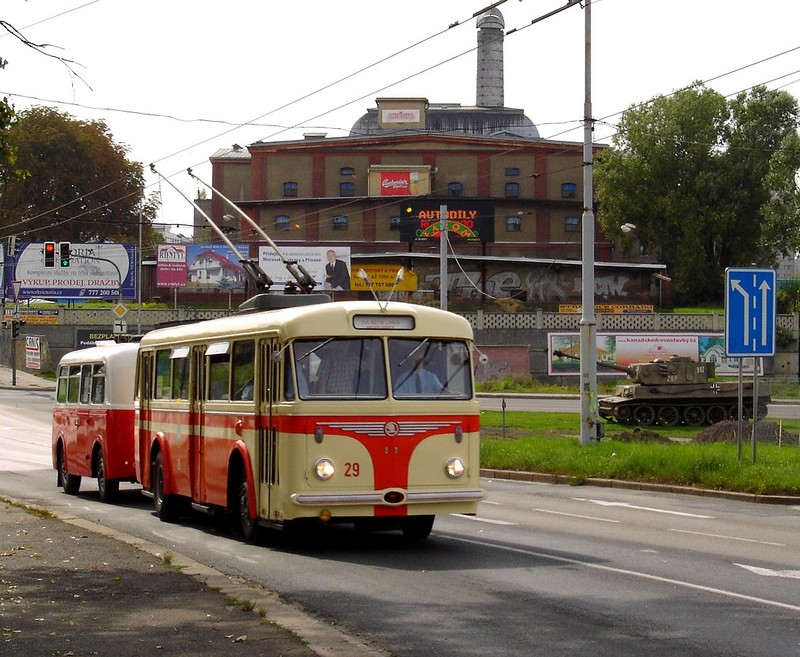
point(489, 91)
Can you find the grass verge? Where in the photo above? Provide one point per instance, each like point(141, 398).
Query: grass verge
point(548, 443)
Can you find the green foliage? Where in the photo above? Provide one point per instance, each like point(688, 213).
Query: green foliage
point(711, 465)
point(81, 187)
point(709, 183)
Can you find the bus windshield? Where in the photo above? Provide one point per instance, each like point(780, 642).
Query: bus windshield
point(343, 368)
point(340, 368)
point(429, 369)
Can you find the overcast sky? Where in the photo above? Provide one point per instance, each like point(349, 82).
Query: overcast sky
point(176, 80)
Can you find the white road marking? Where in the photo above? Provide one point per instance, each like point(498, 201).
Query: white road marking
point(729, 538)
point(486, 520)
point(769, 572)
point(632, 573)
point(575, 515)
point(625, 505)
point(490, 502)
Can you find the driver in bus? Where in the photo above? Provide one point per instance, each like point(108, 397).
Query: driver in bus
point(418, 379)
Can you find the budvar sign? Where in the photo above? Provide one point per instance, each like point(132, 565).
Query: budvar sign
point(395, 183)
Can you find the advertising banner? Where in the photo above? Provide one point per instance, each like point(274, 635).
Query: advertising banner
point(628, 348)
point(467, 221)
point(172, 266)
point(383, 279)
point(95, 271)
point(213, 267)
point(330, 266)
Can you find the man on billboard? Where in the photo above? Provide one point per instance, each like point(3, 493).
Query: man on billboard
point(337, 275)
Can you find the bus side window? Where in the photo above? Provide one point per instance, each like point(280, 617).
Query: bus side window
point(63, 384)
point(243, 360)
point(219, 369)
point(163, 383)
point(98, 384)
point(86, 384)
point(180, 378)
point(74, 384)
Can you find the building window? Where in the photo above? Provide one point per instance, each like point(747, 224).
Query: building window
point(569, 190)
point(513, 224)
point(347, 171)
point(455, 188)
point(394, 222)
point(340, 222)
point(512, 190)
point(347, 189)
point(282, 222)
point(512, 171)
point(572, 224)
point(290, 189)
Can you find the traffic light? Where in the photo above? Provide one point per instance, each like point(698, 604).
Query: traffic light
point(15, 324)
point(49, 254)
point(63, 253)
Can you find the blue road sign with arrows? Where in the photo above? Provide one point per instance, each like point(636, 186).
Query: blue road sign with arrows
point(750, 312)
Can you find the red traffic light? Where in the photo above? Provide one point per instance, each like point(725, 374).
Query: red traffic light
point(49, 254)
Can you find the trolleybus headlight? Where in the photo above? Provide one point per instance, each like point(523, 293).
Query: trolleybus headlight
point(324, 469)
point(454, 467)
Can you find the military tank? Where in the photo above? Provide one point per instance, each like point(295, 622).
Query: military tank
point(675, 391)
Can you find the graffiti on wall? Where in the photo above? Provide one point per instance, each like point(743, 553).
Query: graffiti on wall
point(536, 286)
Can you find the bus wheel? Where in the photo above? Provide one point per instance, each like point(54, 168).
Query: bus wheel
point(249, 526)
point(165, 505)
point(108, 488)
point(417, 528)
point(71, 483)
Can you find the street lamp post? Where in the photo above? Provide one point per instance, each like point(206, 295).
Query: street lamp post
point(588, 324)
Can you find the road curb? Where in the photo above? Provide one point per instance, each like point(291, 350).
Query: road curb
point(538, 477)
point(321, 638)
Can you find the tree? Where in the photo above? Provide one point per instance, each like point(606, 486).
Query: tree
point(8, 152)
point(81, 187)
point(698, 176)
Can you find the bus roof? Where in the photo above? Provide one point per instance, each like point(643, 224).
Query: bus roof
point(323, 320)
point(112, 354)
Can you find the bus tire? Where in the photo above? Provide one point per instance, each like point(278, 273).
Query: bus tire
point(247, 525)
point(165, 505)
point(108, 488)
point(417, 528)
point(71, 483)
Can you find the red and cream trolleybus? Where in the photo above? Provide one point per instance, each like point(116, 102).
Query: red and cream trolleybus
point(93, 418)
point(344, 412)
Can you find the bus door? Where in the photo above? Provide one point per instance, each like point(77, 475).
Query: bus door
point(197, 420)
point(85, 426)
point(269, 365)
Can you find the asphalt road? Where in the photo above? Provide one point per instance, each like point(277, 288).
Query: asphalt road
point(543, 570)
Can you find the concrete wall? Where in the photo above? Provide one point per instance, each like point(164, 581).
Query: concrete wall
point(521, 334)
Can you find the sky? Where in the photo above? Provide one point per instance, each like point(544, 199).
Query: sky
point(177, 80)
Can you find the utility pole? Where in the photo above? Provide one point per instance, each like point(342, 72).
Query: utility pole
point(443, 282)
point(588, 323)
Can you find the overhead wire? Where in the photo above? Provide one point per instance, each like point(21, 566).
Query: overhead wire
point(329, 85)
point(288, 104)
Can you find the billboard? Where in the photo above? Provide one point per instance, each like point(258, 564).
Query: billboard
point(172, 265)
point(384, 278)
point(329, 265)
point(628, 348)
point(95, 271)
point(467, 220)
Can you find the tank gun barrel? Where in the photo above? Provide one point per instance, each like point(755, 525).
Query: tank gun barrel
point(613, 366)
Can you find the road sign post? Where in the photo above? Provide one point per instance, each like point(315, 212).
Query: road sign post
point(750, 323)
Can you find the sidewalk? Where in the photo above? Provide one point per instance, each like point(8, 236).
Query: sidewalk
point(71, 587)
point(25, 380)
